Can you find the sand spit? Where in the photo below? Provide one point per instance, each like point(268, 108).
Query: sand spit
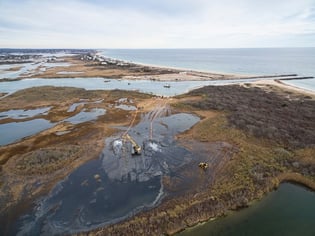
point(91, 64)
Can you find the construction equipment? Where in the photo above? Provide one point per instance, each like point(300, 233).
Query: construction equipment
point(203, 165)
point(136, 149)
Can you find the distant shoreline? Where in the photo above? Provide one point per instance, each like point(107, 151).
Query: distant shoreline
point(90, 65)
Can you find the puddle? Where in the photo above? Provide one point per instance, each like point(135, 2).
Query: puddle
point(15, 131)
point(115, 186)
point(123, 104)
point(74, 106)
point(83, 102)
point(69, 72)
point(56, 64)
point(86, 115)
point(124, 100)
point(22, 114)
point(126, 107)
point(59, 133)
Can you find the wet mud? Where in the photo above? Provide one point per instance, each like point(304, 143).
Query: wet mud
point(118, 184)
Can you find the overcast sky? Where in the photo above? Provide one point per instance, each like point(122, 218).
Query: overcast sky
point(157, 23)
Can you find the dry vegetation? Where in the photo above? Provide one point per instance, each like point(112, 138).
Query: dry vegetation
point(32, 166)
point(91, 68)
point(46, 160)
point(264, 158)
point(289, 119)
point(268, 136)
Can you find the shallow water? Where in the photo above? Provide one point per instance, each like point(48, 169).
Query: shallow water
point(69, 72)
point(126, 107)
point(251, 61)
point(56, 64)
point(145, 86)
point(74, 106)
point(28, 68)
point(114, 186)
point(25, 68)
point(290, 210)
point(86, 115)
point(14, 131)
point(22, 114)
point(308, 84)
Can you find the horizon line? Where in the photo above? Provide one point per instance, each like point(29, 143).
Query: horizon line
point(149, 48)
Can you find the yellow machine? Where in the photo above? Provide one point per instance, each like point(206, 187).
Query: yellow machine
point(203, 165)
point(136, 148)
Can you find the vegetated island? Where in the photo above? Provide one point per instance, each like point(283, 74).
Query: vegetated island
point(260, 133)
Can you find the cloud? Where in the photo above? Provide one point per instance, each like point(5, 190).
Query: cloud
point(156, 24)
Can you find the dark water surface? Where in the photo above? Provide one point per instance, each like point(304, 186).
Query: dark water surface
point(116, 185)
point(11, 132)
point(290, 210)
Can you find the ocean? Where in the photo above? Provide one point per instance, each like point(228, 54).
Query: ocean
point(245, 61)
point(256, 61)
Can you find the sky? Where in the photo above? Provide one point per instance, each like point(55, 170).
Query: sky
point(156, 23)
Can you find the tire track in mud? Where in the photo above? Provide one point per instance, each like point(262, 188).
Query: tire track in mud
point(190, 177)
point(160, 110)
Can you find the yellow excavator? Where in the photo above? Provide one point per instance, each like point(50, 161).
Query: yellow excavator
point(136, 148)
point(203, 165)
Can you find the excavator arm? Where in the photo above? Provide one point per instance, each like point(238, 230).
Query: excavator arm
point(136, 148)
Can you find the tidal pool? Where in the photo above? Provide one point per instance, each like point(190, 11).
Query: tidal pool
point(290, 210)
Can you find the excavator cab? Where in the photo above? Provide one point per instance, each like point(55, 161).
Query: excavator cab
point(136, 150)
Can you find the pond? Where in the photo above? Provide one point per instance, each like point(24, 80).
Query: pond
point(14, 131)
point(290, 210)
point(116, 185)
